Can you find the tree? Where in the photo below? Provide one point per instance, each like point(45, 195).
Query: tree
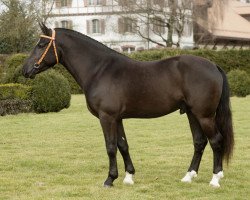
point(17, 27)
point(157, 20)
point(19, 23)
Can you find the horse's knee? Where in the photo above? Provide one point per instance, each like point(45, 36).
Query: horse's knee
point(111, 150)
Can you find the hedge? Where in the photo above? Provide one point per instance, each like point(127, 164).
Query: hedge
point(15, 106)
point(15, 98)
point(239, 82)
point(14, 91)
point(226, 59)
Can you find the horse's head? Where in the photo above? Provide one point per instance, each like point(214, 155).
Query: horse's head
point(44, 55)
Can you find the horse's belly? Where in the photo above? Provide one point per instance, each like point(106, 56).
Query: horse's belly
point(150, 109)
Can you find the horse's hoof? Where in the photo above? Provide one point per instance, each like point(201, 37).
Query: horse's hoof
point(108, 183)
point(215, 180)
point(189, 176)
point(186, 180)
point(214, 184)
point(107, 186)
point(128, 180)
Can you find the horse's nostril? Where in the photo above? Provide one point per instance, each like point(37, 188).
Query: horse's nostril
point(25, 73)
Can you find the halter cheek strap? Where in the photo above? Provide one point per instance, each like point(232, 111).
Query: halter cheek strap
point(52, 42)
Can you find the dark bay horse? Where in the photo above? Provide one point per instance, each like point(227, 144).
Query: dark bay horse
point(117, 87)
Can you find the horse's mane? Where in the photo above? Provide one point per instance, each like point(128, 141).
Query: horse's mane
point(90, 40)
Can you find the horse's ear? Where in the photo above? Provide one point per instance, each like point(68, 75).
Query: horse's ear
point(44, 28)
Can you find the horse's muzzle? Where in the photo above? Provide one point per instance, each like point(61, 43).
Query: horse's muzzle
point(29, 74)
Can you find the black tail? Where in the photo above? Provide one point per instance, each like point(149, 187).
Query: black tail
point(224, 119)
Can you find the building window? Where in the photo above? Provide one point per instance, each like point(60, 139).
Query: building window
point(160, 3)
point(126, 3)
point(128, 49)
point(95, 2)
point(91, 2)
point(98, 2)
point(158, 25)
point(95, 26)
point(126, 25)
point(63, 3)
point(64, 24)
point(188, 29)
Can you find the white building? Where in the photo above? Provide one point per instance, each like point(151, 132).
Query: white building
point(101, 20)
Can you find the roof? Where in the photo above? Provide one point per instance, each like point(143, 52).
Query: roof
point(228, 24)
point(241, 8)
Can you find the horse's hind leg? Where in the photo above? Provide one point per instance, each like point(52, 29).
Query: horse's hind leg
point(124, 150)
point(200, 142)
point(216, 141)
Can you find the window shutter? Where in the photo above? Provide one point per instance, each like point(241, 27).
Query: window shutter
point(121, 25)
point(69, 3)
point(86, 3)
point(102, 26)
point(58, 3)
point(56, 25)
point(70, 24)
point(134, 25)
point(89, 27)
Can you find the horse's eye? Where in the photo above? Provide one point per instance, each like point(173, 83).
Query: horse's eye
point(41, 45)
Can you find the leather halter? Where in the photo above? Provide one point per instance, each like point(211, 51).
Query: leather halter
point(52, 41)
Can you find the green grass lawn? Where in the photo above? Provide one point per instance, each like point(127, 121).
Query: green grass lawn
point(63, 156)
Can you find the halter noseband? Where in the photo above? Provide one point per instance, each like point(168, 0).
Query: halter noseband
point(52, 41)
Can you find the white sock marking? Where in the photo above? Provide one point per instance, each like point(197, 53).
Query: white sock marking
point(128, 179)
point(189, 176)
point(216, 179)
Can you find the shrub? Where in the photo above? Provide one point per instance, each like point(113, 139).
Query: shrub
point(50, 92)
point(14, 98)
point(15, 106)
point(2, 61)
point(239, 82)
point(13, 68)
point(74, 87)
point(14, 91)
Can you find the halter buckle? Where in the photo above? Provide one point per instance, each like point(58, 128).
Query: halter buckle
point(36, 66)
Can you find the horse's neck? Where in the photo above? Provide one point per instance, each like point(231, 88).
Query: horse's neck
point(82, 63)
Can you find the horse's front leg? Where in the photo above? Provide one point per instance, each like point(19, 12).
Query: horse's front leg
point(124, 150)
point(109, 127)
